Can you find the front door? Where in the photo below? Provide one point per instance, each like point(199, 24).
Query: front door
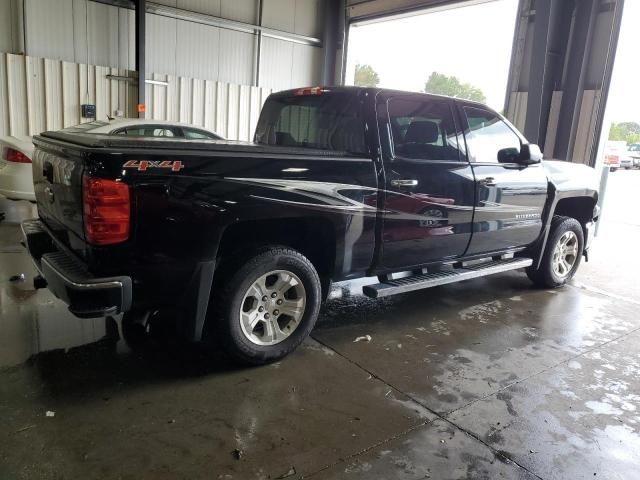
point(429, 190)
point(510, 196)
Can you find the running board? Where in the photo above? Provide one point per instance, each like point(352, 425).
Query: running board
point(428, 280)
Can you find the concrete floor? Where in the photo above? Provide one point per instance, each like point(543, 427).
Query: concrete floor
point(485, 379)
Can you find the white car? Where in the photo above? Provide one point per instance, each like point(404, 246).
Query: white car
point(16, 181)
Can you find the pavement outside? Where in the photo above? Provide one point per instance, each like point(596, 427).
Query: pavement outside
point(485, 379)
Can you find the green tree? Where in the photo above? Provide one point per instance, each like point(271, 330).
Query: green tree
point(366, 76)
point(625, 131)
point(441, 84)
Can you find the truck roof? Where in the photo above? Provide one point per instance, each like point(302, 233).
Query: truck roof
point(321, 90)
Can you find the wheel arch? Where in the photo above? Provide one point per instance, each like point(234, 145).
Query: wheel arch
point(581, 206)
point(314, 237)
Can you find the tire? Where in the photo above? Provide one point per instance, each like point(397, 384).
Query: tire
point(275, 334)
point(548, 276)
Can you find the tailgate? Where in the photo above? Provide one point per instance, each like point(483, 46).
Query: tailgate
point(57, 180)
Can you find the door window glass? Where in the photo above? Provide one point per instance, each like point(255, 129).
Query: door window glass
point(423, 129)
point(487, 134)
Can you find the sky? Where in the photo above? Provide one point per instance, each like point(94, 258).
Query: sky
point(405, 51)
point(624, 96)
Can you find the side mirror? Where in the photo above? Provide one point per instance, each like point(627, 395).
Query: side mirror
point(509, 155)
point(530, 154)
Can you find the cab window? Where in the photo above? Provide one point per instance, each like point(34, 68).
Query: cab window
point(487, 134)
point(423, 129)
point(326, 122)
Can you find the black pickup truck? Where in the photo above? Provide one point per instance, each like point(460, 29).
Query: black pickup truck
point(239, 242)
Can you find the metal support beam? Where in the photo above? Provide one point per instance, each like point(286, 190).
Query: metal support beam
point(332, 11)
point(257, 49)
point(560, 73)
point(537, 72)
point(606, 78)
point(189, 16)
point(140, 21)
point(578, 53)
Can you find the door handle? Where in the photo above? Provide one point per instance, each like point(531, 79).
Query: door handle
point(404, 183)
point(487, 182)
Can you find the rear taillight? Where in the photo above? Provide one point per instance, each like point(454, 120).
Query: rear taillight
point(107, 210)
point(15, 156)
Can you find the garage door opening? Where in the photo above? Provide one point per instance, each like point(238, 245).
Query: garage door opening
point(620, 142)
point(463, 52)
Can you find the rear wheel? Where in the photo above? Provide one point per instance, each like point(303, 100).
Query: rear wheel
point(267, 305)
point(562, 255)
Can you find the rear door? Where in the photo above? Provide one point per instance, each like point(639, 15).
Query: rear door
point(510, 196)
point(429, 190)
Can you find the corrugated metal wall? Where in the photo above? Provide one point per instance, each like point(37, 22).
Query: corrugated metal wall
point(38, 94)
point(228, 109)
point(83, 31)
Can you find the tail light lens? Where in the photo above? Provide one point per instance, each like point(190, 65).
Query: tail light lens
point(15, 156)
point(107, 210)
point(309, 91)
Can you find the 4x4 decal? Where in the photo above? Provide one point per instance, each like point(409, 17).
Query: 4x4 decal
point(142, 165)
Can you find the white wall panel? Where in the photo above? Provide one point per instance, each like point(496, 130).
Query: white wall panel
point(84, 31)
point(279, 14)
point(39, 94)
point(17, 87)
point(70, 94)
point(49, 28)
point(276, 64)
point(236, 57)
point(309, 17)
point(184, 96)
point(8, 27)
point(36, 106)
point(197, 102)
point(209, 7)
point(126, 39)
point(306, 69)
point(296, 16)
point(197, 48)
point(228, 109)
point(209, 121)
point(53, 85)
point(161, 44)
point(240, 10)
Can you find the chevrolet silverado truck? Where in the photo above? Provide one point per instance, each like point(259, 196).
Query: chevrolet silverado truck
point(238, 242)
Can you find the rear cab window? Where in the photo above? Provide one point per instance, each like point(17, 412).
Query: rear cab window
point(329, 121)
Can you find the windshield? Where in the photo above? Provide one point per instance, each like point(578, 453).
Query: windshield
point(327, 122)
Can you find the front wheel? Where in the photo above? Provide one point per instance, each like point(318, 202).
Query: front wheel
point(267, 305)
point(562, 255)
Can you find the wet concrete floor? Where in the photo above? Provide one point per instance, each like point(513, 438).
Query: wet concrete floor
point(485, 379)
